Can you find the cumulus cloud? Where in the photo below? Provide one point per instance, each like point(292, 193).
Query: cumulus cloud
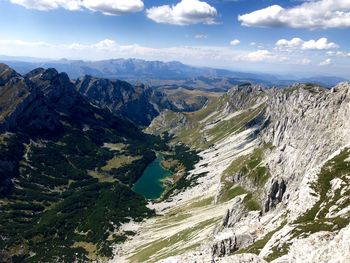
point(263, 55)
point(326, 62)
point(107, 7)
point(185, 12)
point(235, 42)
point(108, 48)
point(298, 43)
point(310, 14)
point(114, 7)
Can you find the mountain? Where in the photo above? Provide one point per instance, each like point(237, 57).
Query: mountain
point(161, 74)
point(66, 170)
point(323, 80)
point(138, 103)
point(123, 99)
point(271, 186)
point(257, 174)
point(133, 69)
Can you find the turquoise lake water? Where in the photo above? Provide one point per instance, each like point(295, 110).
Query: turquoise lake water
point(149, 184)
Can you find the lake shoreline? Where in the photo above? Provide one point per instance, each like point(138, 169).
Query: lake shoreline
point(151, 184)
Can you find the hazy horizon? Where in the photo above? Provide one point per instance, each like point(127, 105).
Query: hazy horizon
point(269, 36)
point(280, 75)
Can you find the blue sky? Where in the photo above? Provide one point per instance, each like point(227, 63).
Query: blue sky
point(286, 37)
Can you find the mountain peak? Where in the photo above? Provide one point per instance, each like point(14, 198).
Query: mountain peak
point(49, 74)
point(6, 73)
point(35, 72)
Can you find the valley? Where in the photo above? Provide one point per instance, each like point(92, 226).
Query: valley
point(98, 170)
point(237, 209)
point(174, 131)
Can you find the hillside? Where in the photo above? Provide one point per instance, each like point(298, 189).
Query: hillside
point(139, 103)
point(258, 174)
point(271, 186)
point(65, 178)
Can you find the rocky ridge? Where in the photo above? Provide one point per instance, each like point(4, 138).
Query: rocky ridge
point(292, 191)
point(138, 103)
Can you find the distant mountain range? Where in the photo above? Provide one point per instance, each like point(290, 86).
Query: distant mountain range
point(157, 73)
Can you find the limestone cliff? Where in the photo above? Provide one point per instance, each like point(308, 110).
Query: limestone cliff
point(288, 194)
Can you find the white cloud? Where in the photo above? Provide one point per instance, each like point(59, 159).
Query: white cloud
point(107, 7)
point(220, 56)
point(235, 42)
point(338, 54)
point(298, 43)
point(326, 62)
point(44, 5)
point(263, 17)
point(199, 36)
point(252, 43)
point(260, 55)
point(114, 7)
point(108, 48)
point(321, 44)
point(310, 14)
point(184, 13)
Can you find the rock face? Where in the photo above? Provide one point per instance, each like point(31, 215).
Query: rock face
point(167, 122)
point(277, 190)
point(300, 178)
point(306, 126)
point(138, 103)
point(304, 121)
point(24, 108)
point(320, 247)
point(123, 99)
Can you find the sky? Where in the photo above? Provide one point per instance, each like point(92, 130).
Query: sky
point(296, 37)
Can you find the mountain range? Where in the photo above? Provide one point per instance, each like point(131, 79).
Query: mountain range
point(158, 73)
point(258, 174)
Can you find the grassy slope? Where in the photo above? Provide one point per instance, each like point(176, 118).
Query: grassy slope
point(208, 126)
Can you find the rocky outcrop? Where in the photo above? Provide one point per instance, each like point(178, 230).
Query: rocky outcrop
point(275, 194)
point(57, 89)
point(138, 103)
point(6, 73)
point(304, 122)
point(320, 247)
point(123, 99)
point(24, 108)
point(224, 247)
point(306, 125)
point(168, 122)
point(246, 96)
